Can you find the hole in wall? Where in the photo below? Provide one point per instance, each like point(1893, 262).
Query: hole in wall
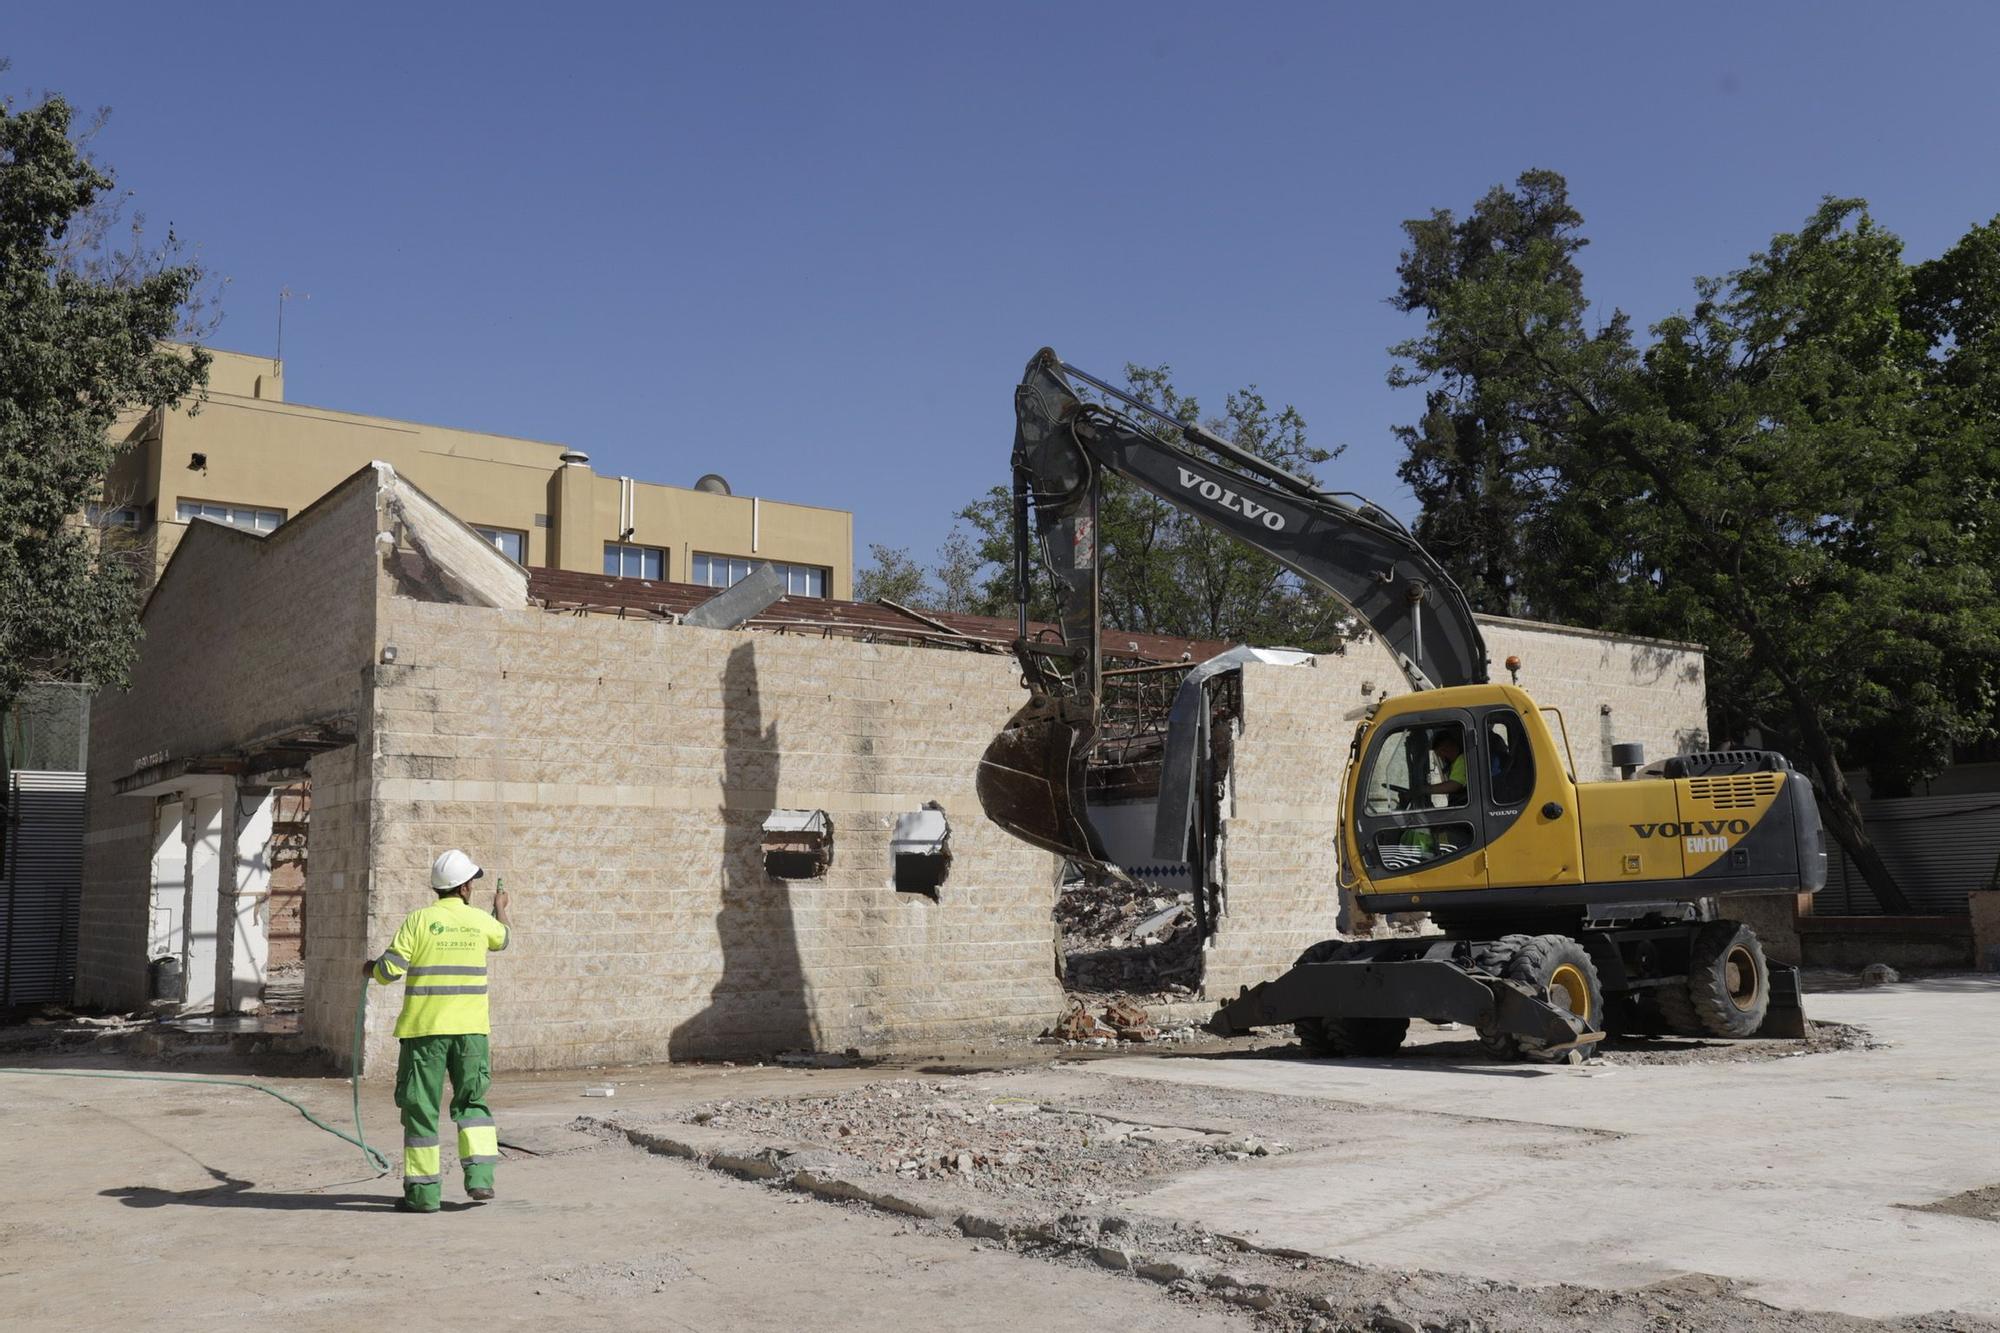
point(798, 844)
point(920, 850)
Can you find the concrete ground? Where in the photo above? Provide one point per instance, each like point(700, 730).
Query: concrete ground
point(1797, 1176)
point(169, 1205)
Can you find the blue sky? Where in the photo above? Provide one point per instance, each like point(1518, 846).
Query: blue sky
point(811, 246)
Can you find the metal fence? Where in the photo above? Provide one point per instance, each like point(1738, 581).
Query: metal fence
point(44, 738)
point(41, 888)
point(1938, 847)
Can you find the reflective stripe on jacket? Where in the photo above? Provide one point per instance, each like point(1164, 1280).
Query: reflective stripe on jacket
point(442, 951)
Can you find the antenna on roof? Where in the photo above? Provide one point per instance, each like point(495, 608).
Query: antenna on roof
point(285, 294)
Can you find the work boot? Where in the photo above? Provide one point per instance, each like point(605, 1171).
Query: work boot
point(405, 1206)
point(479, 1196)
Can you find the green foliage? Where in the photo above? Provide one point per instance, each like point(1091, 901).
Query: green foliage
point(1163, 570)
point(82, 340)
point(1503, 303)
point(892, 575)
point(1798, 472)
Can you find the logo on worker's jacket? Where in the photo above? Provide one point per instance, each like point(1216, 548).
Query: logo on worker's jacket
point(1228, 499)
point(437, 927)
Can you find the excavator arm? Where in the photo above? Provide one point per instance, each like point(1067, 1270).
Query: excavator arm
point(1031, 779)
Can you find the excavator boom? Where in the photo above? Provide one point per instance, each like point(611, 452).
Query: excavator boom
point(1031, 779)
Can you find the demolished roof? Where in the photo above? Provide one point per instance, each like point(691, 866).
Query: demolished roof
point(878, 621)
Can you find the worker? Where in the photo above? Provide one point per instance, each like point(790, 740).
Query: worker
point(1450, 752)
point(443, 1029)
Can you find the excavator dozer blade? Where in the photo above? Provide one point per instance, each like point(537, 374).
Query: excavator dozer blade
point(1030, 781)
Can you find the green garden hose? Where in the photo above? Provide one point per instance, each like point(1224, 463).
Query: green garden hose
point(375, 1159)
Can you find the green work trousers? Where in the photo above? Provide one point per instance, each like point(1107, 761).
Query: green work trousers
point(421, 1069)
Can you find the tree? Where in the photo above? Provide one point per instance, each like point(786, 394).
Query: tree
point(1781, 477)
point(1502, 296)
point(893, 575)
point(1163, 570)
point(83, 339)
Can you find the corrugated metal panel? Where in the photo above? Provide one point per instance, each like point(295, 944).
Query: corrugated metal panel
point(1938, 847)
point(42, 890)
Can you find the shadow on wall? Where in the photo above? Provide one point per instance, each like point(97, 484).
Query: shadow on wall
point(1651, 664)
point(760, 1005)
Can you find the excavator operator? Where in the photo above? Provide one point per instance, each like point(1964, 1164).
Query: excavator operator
point(1449, 747)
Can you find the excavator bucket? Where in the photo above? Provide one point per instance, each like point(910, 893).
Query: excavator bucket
point(1031, 780)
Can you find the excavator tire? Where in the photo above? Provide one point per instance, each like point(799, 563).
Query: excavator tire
point(1347, 1038)
point(1559, 968)
point(1729, 983)
point(1492, 958)
point(1352, 1038)
point(1673, 1006)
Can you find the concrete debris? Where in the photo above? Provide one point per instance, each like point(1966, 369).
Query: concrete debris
point(969, 1137)
point(1879, 974)
point(1121, 1020)
point(1078, 1024)
point(1129, 1020)
point(1128, 938)
point(1389, 1319)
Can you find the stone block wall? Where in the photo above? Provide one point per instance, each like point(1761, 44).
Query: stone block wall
point(1281, 819)
point(245, 636)
point(1607, 688)
point(617, 775)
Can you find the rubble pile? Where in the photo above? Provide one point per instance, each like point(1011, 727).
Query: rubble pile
point(996, 1143)
point(1128, 939)
point(1106, 1020)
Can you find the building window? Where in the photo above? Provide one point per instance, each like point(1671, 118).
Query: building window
point(122, 516)
point(722, 571)
point(634, 562)
point(513, 545)
point(236, 516)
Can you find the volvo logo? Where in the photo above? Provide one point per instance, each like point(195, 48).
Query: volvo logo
point(1228, 499)
point(1706, 827)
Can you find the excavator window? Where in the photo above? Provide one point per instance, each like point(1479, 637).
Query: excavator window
point(1420, 768)
point(1424, 777)
point(1401, 849)
point(1510, 760)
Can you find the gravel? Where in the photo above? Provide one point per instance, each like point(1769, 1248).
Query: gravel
point(988, 1136)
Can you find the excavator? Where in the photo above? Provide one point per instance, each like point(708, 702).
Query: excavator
point(1566, 909)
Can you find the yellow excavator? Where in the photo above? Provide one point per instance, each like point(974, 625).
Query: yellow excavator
point(1567, 909)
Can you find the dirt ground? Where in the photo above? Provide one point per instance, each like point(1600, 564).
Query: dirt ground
point(1209, 1185)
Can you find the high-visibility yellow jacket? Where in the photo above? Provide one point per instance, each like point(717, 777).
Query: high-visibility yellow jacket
point(442, 950)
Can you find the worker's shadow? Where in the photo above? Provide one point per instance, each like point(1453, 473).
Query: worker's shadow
point(229, 1192)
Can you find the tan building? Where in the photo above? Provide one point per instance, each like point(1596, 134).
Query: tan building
point(248, 458)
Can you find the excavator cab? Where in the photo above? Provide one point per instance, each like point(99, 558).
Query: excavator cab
point(1457, 791)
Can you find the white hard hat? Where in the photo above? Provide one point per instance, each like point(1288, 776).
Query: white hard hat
point(453, 869)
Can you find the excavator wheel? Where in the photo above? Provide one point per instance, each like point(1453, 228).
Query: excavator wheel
point(1347, 1038)
point(1729, 983)
point(1560, 969)
point(1352, 1038)
point(1492, 958)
